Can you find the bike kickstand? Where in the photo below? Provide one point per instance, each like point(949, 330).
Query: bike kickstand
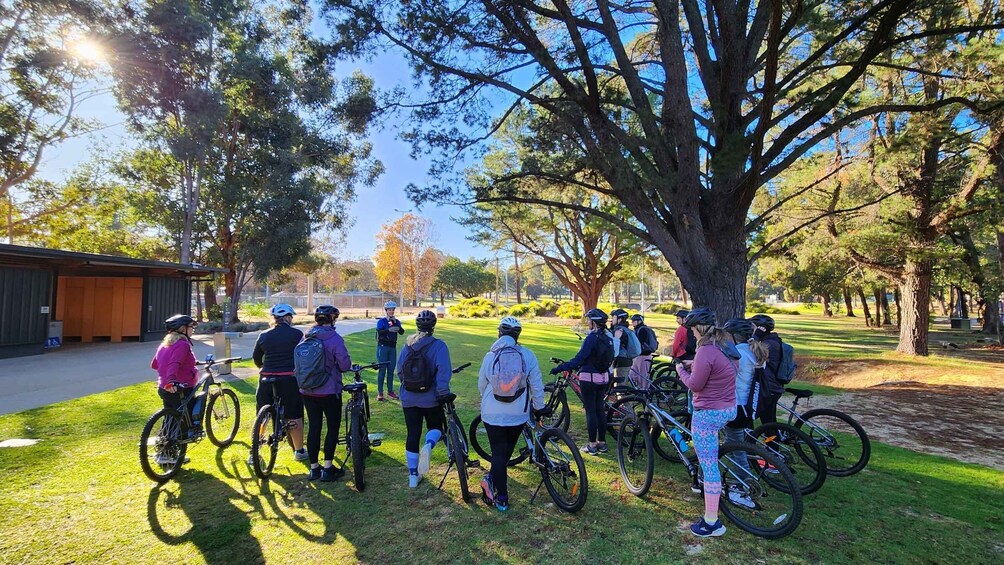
point(446, 474)
point(534, 497)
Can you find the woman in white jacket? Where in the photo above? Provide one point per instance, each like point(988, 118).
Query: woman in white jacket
point(508, 381)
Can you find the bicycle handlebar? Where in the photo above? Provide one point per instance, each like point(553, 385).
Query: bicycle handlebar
point(357, 368)
point(461, 368)
point(556, 361)
point(212, 362)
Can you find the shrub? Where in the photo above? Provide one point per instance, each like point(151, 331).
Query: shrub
point(757, 307)
point(215, 312)
point(569, 310)
point(548, 307)
point(665, 308)
point(525, 310)
point(258, 309)
point(474, 308)
point(242, 327)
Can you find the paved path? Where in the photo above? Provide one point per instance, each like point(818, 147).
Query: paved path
point(77, 370)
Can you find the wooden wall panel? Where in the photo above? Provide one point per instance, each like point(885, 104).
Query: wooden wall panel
point(102, 307)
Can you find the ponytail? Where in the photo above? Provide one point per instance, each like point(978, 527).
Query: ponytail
point(713, 335)
point(760, 352)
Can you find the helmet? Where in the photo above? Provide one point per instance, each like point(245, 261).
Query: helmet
point(681, 313)
point(597, 315)
point(425, 320)
point(326, 312)
point(618, 313)
point(389, 304)
point(178, 321)
point(741, 330)
point(700, 317)
point(763, 321)
point(280, 310)
point(637, 318)
point(510, 326)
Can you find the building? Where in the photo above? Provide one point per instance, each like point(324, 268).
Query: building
point(54, 296)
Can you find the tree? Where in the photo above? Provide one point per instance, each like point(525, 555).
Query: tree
point(421, 260)
point(469, 279)
point(685, 109)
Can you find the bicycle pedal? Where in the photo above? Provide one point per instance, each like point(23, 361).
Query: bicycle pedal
point(375, 439)
point(474, 463)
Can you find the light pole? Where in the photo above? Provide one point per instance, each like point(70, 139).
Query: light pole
point(401, 235)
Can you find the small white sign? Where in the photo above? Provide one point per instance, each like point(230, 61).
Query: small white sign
point(45, 309)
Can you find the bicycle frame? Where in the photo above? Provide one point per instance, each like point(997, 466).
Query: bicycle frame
point(206, 384)
point(793, 415)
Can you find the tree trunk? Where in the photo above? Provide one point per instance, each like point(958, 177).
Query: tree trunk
point(864, 307)
point(898, 297)
point(848, 303)
point(723, 291)
point(878, 308)
point(617, 294)
point(991, 317)
point(198, 301)
point(916, 307)
point(886, 320)
point(209, 291)
point(941, 301)
point(827, 309)
point(683, 293)
point(515, 266)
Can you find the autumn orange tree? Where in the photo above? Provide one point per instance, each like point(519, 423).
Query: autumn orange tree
point(421, 259)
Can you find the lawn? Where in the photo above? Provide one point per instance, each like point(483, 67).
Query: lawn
point(80, 496)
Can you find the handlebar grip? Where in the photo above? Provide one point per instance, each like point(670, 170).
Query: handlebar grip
point(461, 368)
point(556, 361)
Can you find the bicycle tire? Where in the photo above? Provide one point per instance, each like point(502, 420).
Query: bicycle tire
point(458, 448)
point(357, 445)
point(483, 448)
point(766, 500)
point(222, 407)
point(264, 441)
point(167, 445)
point(616, 411)
point(829, 444)
point(669, 394)
point(634, 449)
point(797, 451)
point(558, 402)
point(563, 470)
point(661, 369)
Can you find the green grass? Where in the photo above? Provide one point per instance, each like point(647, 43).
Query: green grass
point(80, 496)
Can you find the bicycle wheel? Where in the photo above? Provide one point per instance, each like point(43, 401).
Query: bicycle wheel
point(161, 450)
point(634, 455)
point(558, 403)
point(844, 443)
point(751, 501)
point(357, 444)
point(223, 417)
point(669, 393)
point(620, 409)
point(563, 470)
point(797, 451)
point(264, 441)
point(661, 369)
point(479, 441)
point(458, 451)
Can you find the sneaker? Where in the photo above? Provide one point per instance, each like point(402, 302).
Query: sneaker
point(740, 499)
point(314, 474)
point(589, 449)
point(393, 395)
point(413, 480)
point(300, 454)
point(695, 488)
point(703, 529)
point(769, 468)
point(502, 503)
point(381, 398)
point(423, 458)
point(602, 448)
point(162, 459)
point(487, 490)
point(329, 474)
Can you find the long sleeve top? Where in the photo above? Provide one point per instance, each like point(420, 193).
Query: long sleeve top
point(773, 343)
point(387, 331)
point(336, 361)
point(517, 412)
point(175, 363)
point(439, 357)
point(712, 378)
point(681, 339)
point(273, 352)
point(595, 355)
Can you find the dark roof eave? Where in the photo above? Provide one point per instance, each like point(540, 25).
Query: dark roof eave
point(102, 260)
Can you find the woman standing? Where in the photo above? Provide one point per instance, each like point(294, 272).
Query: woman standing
point(174, 362)
point(388, 329)
point(712, 379)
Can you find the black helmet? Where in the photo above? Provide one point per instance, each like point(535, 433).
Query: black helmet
point(597, 315)
point(741, 330)
point(178, 321)
point(763, 321)
point(618, 313)
point(510, 326)
point(425, 321)
point(700, 317)
point(326, 313)
point(681, 313)
point(637, 318)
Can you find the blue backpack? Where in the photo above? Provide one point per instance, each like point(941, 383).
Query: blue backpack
point(308, 361)
point(786, 368)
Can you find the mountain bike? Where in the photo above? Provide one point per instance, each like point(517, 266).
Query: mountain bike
point(208, 409)
point(557, 400)
point(768, 507)
point(270, 430)
point(357, 439)
point(844, 443)
point(553, 452)
point(456, 443)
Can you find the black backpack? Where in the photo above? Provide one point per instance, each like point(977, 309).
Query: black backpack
point(417, 373)
point(758, 396)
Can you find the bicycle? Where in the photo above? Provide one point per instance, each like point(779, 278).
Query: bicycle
point(357, 440)
point(554, 453)
point(269, 431)
point(844, 457)
point(557, 401)
point(169, 444)
point(750, 499)
point(456, 443)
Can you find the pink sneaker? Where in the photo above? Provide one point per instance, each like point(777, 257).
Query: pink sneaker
point(393, 395)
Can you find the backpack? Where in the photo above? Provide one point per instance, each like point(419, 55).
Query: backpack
point(417, 373)
point(309, 362)
point(758, 395)
point(632, 348)
point(508, 377)
point(651, 341)
point(607, 343)
point(691, 347)
point(786, 367)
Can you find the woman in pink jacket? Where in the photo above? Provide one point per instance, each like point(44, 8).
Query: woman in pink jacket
point(712, 379)
point(175, 362)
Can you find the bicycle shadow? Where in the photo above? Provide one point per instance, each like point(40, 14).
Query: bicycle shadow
point(220, 530)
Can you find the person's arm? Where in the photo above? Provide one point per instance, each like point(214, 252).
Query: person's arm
point(178, 354)
point(444, 371)
point(153, 362)
point(697, 378)
point(342, 359)
point(485, 372)
point(258, 355)
point(679, 342)
point(399, 326)
point(534, 379)
point(580, 358)
point(773, 358)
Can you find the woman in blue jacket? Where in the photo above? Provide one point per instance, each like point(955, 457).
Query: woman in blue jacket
point(593, 363)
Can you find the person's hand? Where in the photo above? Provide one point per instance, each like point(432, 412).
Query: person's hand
point(680, 367)
point(555, 370)
point(171, 388)
point(542, 412)
point(445, 398)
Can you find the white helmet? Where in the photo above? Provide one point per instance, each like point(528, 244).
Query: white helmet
point(510, 326)
point(282, 310)
point(389, 304)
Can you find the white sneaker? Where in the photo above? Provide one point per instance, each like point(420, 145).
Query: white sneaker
point(424, 457)
point(301, 454)
point(162, 459)
point(740, 499)
point(413, 480)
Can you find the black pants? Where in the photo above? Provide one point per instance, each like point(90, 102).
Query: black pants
point(319, 409)
point(594, 400)
point(503, 440)
point(173, 400)
point(768, 409)
point(413, 416)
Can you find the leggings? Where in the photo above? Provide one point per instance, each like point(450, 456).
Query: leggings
point(386, 354)
point(319, 409)
point(738, 435)
point(768, 410)
point(173, 400)
point(503, 440)
point(594, 400)
point(413, 416)
point(705, 427)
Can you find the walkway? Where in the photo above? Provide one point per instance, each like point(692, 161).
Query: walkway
point(77, 370)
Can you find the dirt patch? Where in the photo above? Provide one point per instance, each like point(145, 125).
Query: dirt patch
point(961, 422)
point(865, 374)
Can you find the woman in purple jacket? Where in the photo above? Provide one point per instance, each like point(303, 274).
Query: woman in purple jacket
point(325, 401)
point(712, 379)
point(175, 362)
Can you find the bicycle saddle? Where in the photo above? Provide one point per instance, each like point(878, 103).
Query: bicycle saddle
point(799, 392)
point(352, 387)
point(269, 380)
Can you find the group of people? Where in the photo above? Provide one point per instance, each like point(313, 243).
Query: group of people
point(722, 366)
